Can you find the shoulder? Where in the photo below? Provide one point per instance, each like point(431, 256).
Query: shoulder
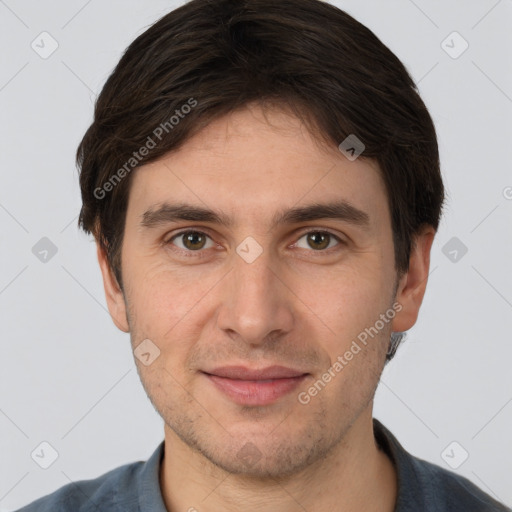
point(446, 490)
point(425, 486)
point(101, 493)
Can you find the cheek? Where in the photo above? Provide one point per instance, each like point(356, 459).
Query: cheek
point(164, 303)
point(347, 300)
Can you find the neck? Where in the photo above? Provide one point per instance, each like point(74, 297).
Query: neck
point(355, 476)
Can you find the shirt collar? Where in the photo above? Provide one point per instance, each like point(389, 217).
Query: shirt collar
point(409, 493)
point(150, 493)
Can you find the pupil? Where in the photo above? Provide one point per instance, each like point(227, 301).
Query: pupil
point(191, 237)
point(323, 237)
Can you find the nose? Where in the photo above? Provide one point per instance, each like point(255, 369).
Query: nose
point(257, 304)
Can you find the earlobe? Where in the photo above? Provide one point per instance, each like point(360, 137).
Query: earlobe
point(113, 293)
point(412, 285)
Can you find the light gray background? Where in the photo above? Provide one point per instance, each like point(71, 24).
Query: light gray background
point(67, 375)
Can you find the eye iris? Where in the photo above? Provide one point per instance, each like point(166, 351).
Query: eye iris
point(319, 238)
point(192, 237)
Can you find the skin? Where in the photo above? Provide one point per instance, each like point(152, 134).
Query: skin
point(294, 306)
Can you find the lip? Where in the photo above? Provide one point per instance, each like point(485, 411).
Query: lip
point(247, 386)
point(243, 373)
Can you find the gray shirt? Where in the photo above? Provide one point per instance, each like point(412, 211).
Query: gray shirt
point(422, 487)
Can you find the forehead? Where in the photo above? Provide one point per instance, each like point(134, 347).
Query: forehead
point(254, 166)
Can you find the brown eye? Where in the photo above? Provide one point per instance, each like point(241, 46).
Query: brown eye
point(190, 240)
point(318, 240)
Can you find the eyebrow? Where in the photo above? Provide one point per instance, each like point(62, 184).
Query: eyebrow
point(165, 213)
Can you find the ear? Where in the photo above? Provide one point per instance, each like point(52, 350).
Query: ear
point(412, 285)
point(113, 293)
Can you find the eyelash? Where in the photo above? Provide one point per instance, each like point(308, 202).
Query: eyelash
point(201, 252)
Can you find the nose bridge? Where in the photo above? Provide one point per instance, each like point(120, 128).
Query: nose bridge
point(256, 302)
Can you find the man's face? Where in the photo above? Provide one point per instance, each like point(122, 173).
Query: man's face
point(211, 299)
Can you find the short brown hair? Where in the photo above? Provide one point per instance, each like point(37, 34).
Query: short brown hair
point(218, 56)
